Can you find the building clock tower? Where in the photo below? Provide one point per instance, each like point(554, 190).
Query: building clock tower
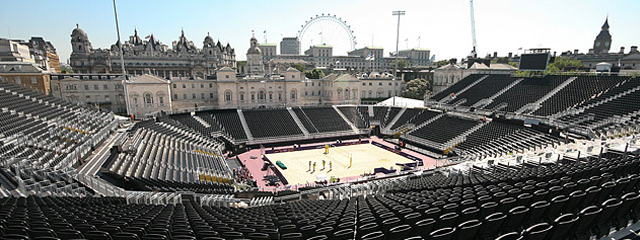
point(602, 44)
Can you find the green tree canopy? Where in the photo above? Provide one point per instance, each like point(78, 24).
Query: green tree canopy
point(66, 69)
point(564, 64)
point(416, 89)
point(402, 63)
point(300, 67)
point(314, 74)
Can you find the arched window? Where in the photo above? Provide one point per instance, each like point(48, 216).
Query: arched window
point(148, 99)
point(293, 95)
point(261, 95)
point(346, 94)
point(228, 96)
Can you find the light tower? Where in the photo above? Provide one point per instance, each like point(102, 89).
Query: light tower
point(395, 68)
point(473, 30)
point(125, 80)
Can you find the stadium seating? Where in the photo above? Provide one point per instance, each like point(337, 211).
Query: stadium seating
point(484, 89)
point(271, 123)
point(163, 158)
point(443, 129)
point(456, 87)
point(497, 137)
point(580, 89)
point(321, 119)
point(352, 113)
point(364, 111)
point(393, 111)
point(408, 114)
point(45, 129)
point(620, 105)
point(527, 91)
point(572, 200)
point(227, 121)
point(188, 121)
point(379, 114)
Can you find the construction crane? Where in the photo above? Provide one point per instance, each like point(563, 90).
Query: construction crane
point(473, 31)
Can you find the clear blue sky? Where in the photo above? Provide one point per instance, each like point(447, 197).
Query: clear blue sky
point(443, 25)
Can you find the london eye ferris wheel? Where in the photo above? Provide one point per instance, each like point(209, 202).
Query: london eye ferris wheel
point(327, 29)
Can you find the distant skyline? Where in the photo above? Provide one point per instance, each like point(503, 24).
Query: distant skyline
point(443, 25)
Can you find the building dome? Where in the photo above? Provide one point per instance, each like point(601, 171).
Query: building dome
point(208, 41)
point(78, 32)
point(254, 50)
point(254, 46)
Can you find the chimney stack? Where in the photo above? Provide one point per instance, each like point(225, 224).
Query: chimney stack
point(510, 55)
point(621, 50)
point(495, 54)
point(634, 49)
point(575, 51)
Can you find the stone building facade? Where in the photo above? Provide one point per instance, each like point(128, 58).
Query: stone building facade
point(149, 93)
point(92, 89)
point(27, 75)
point(36, 50)
point(367, 59)
point(183, 59)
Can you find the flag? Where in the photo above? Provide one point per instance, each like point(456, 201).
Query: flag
point(373, 57)
point(368, 57)
point(147, 37)
point(433, 58)
point(520, 48)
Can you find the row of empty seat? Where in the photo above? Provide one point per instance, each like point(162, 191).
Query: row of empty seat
point(321, 119)
point(574, 199)
point(578, 91)
point(497, 138)
point(159, 154)
point(271, 123)
point(44, 129)
point(443, 129)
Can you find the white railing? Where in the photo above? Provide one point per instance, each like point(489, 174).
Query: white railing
point(100, 186)
point(153, 198)
point(214, 200)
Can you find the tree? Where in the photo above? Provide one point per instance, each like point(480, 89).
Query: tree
point(66, 69)
point(564, 64)
point(314, 74)
point(300, 67)
point(441, 63)
point(241, 66)
point(416, 89)
point(402, 63)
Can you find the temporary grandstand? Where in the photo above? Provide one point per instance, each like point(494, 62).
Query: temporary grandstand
point(491, 157)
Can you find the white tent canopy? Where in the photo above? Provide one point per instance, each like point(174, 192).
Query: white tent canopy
point(402, 102)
